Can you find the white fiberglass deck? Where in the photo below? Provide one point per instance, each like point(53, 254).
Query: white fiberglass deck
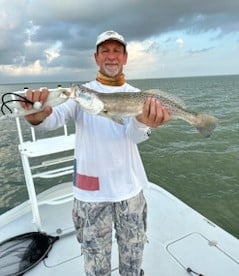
point(178, 238)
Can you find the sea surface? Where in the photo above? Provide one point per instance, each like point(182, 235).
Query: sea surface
point(203, 172)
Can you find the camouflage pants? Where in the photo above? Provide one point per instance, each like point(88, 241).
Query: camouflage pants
point(93, 223)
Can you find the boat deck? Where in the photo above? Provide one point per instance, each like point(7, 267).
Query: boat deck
point(178, 238)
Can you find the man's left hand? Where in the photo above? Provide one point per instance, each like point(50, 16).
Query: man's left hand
point(154, 114)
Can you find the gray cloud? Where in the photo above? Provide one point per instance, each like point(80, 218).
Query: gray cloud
point(137, 19)
point(199, 51)
point(28, 28)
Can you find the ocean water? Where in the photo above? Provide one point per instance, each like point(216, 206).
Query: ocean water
point(203, 172)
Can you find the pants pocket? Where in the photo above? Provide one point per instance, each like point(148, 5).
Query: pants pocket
point(78, 221)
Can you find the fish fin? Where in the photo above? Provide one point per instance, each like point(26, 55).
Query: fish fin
point(205, 124)
point(167, 95)
point(117, 119)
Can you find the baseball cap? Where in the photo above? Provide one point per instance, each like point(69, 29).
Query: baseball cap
point(110, 35)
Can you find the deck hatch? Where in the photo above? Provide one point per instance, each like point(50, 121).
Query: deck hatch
point(202, 255)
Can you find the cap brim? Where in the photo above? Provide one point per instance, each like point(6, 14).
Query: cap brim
point(111, 38)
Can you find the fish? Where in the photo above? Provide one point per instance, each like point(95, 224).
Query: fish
point(11, 102)
point(119, 105)
point(115, 106)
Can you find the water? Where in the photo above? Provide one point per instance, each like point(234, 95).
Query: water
point(202, 172)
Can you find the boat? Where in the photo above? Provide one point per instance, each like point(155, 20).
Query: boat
point(181, 241)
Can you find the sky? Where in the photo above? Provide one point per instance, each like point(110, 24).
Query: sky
point(53, 40)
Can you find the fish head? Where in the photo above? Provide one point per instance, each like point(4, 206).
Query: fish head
point(88, 100)
point(66, 93)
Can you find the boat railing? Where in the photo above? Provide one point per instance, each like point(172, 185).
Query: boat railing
point(45, 158)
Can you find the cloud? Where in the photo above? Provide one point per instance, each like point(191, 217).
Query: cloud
point(30, 32)
point(141, 52)
point(57, 36)
point(32, 69)
point(180, 42)
point(53, 52)
point(199, 51)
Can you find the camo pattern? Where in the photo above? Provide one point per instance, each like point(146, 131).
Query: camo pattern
point(93, 223)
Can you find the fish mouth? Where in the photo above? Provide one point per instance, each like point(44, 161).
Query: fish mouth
point(65, 94)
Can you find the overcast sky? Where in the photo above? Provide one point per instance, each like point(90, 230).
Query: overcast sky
point(53, 40)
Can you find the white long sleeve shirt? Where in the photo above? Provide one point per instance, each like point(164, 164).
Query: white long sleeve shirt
point(108, 166)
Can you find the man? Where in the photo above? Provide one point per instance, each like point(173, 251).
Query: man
point(109, 175)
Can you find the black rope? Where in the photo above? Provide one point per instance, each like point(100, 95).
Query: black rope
point(4, 102)
point(194, 272)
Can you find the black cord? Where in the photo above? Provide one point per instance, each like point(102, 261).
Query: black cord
point(194, 272)
point(4, 102)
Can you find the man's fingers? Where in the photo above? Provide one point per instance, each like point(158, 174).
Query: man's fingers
point(35, 96)
point(40, 116)
point(154, 114)
point(146, 109)
point(43, 95)
point(159, 114)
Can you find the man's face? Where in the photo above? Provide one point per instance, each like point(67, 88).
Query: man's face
point(111, 58)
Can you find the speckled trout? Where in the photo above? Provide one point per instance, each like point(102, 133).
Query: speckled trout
point(11, 107)
point(119, 105)
point(114, 106)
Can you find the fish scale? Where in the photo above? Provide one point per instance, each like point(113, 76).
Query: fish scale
point(118, 105)
point(131, 103)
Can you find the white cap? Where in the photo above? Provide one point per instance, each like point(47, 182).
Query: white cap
point(110, 35)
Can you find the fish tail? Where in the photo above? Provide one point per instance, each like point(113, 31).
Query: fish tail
point(205, 124)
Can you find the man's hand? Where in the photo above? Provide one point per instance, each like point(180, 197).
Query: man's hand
point(153, 114)
point(37, 96)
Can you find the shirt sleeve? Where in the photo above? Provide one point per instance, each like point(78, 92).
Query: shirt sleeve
point(137, 131)
point(60, 116)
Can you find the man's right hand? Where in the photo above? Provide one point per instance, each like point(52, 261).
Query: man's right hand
point(154, 114)
point(37, 96)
